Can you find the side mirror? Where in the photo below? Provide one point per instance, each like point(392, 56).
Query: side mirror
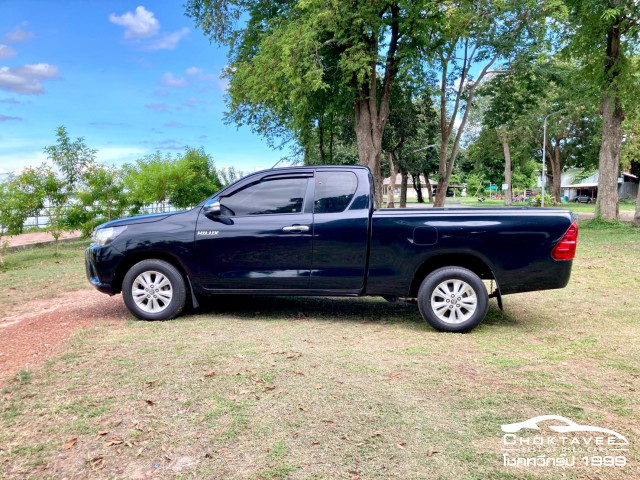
point(212, 209)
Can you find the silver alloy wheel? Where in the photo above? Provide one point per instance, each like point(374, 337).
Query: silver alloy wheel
point(152, 291)
point(454, 301)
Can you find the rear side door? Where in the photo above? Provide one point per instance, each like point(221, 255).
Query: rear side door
point(262, 239)
point(341, 231)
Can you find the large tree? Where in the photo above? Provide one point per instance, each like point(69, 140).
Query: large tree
point(518, 103)
point(478, 37)
point(291, 62)
point(604, 34)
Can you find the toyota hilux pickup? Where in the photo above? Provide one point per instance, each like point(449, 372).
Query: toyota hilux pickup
point(314, 231)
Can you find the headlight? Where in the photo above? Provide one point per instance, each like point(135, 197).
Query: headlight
point(104, 236)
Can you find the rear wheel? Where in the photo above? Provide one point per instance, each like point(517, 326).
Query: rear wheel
point(453, 299)
point(154, 290)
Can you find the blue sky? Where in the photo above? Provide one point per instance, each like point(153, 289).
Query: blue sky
point(129, 77)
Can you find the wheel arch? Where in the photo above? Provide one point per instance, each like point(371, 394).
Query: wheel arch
point(464, 260)
point(130, 260)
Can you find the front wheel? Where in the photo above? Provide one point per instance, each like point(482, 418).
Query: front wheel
point(154, 290)
point(453, 299)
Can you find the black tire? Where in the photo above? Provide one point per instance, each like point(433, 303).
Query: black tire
point(147, 299)
point(469, 294)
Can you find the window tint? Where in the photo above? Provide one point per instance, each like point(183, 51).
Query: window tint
point(334, 191)
point(284, 195)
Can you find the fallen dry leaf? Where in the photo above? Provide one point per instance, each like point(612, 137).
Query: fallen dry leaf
point(431, 453)
point(269, 388)
point(210, 374)
point(114, 422)
point(97, 463)
point(150, 383)
point(70, 443)
point(113, 441)
point(151, 403)
point(103, 432)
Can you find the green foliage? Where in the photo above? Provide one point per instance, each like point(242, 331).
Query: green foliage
point(195, 179)
point(229, 175)
point(72, 158)
point(149, 180)
point(548, 201)
point(100, 198)
point(18, 200)
point(184, 181)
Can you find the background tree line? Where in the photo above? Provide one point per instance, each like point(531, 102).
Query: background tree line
point(76, 192)
point(343, 82)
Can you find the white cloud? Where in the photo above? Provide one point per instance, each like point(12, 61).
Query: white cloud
point(141, 24)
point(4, 118)
point(27, 79)
point(119, 153)
point(169, 41)
point(6, 51)
point(158, 107)
point(211, 78)
point(169, 80)
point(18, 34)
point(194, 71)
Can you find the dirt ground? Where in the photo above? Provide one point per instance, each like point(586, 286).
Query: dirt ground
point(28, 239)
point(38, 329)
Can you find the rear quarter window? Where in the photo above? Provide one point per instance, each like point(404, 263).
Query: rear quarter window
point(334, 191)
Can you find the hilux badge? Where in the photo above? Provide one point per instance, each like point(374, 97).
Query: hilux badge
point(208, 232)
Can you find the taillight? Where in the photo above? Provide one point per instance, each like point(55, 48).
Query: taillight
point(566, 247)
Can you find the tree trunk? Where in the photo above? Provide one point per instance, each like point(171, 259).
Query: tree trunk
point(369, 139)
point(429, 189)
point(321, 141)
point(403, 190)
point(636, 217)
point(507, 171)
point(612, 117)
point(417, 186)
point(392, 182)
point(556, 169)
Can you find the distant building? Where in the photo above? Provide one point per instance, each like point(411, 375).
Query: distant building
point(627, 187)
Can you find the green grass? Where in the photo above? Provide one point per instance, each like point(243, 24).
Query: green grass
point(38, 273)
point(625, 205)
point(312, 388)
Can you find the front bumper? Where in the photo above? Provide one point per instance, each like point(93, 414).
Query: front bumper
point(100, 266)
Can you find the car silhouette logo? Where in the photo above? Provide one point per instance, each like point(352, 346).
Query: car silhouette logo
point(568, 427)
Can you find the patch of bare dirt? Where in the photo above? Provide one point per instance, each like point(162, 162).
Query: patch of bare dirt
point(38, 237)
point(39, 329)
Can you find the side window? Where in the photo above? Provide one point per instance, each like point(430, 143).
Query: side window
point(334, 191)
point(284, 195)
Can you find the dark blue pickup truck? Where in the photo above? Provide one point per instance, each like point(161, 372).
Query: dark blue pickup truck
point(314, 231)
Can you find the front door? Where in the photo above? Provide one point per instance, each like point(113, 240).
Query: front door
point(262, 239)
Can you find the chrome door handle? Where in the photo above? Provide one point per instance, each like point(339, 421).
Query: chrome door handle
point(296, 228)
